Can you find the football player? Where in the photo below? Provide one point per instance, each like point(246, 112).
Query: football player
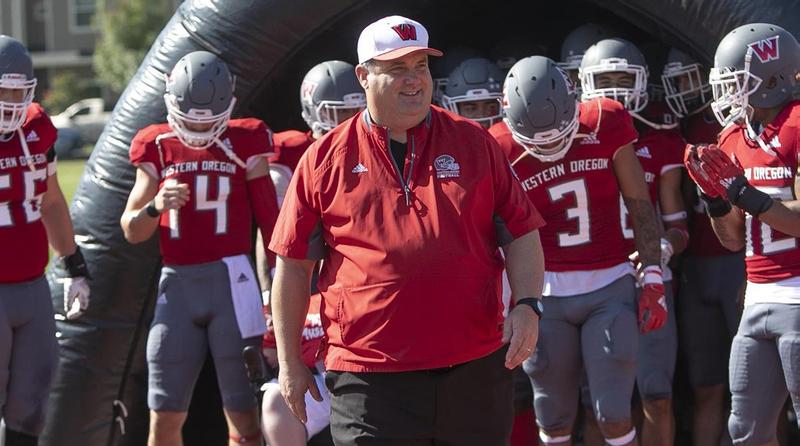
point(201, 178)
point(575, 45)
point(474, 90)
point(750, 190)
point(329, 95)
point(711, 276)
point(441, 67)
point(569, 157)
point(616, 69)
point(33, 212)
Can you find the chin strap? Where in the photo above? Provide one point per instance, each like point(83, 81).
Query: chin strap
point(753, 136)
point(24, 143)
point(653, 124)
point(160, 138)
point(229, 152)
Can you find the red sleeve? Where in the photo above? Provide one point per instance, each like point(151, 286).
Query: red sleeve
point(616, 125)
point(255, 142)
point(264, 203)
point(144, 151)
point(515, 215)
point(299, 227)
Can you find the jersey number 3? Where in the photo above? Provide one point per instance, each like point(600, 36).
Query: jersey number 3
point(580, 211)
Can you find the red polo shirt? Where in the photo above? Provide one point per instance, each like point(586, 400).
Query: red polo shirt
point(411, 266)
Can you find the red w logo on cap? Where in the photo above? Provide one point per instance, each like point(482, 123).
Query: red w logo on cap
point(406, 31)
point(766, 50)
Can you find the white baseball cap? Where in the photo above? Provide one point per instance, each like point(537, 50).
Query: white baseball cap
point(392, 37)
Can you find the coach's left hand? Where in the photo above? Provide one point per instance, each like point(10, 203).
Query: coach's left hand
point(295, 379)
point(521, 331)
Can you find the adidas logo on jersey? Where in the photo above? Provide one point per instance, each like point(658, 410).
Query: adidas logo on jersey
point(32, 136)
point(644, 152)
point(360, 168)
point(242, 278)
point(591, 138)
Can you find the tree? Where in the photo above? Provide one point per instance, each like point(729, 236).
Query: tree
point(67, 86)
point(127, 30)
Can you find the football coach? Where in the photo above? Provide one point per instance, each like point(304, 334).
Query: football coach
point(408, 206)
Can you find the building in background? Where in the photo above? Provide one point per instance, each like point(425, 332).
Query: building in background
point(60, 35)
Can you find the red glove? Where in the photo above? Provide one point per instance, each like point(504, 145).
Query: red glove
point(652, 303)
point(720, 167)
point(705, 180)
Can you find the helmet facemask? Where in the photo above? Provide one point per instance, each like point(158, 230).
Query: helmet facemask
point(684, 89)
point(551, 145)
point(329, 114)
point(13, 113)
point(184, 124)
point(571, 66)
point(478, 95)
point(634, 99)
point(731, 89)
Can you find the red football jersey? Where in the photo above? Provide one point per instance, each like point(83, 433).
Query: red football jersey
point(216, 222)
point(22, 233)
point(702, 129)
point(578, 195)
point(289, 146)
point(312, 332)
point(770, 255)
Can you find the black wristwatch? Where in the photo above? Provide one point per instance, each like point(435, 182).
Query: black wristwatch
point(151, 210)
point(533, 302)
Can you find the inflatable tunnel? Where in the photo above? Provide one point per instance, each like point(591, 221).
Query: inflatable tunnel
point(98, 396)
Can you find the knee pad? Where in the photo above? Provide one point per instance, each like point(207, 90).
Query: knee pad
point(555, 439)
point(655, 386)
point(623, 440)
point(742, 431)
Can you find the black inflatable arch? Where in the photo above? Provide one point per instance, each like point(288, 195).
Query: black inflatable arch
point(270, 44)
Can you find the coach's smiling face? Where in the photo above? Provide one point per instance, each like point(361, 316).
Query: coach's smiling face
point(398, 91)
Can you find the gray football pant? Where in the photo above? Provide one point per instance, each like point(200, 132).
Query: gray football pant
point(658, 352)
point(597, 332)
point(28, 354)
point(764, 368)
point(194, 314)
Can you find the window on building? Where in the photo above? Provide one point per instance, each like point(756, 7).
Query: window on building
point(82, 14)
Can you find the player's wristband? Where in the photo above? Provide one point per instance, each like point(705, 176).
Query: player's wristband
point(748, 198)
point(151, 210)
point(75, 264)
point(715, 206)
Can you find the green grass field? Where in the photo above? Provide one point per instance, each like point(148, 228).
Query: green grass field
point(69, 174)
